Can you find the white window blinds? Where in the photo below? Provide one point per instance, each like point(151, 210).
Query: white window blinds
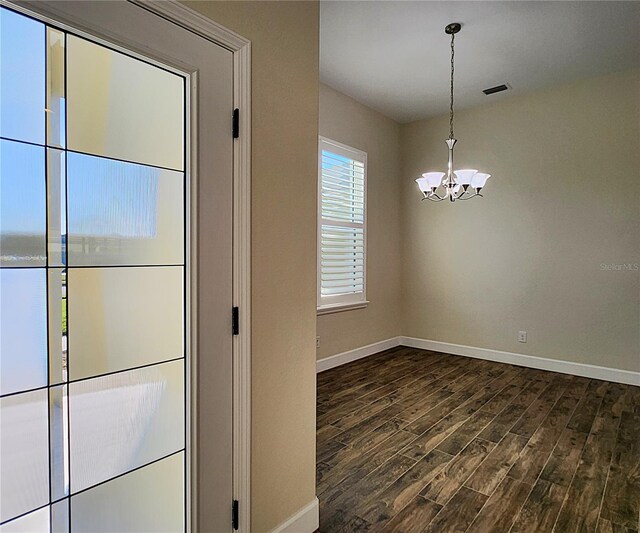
point(342, 225)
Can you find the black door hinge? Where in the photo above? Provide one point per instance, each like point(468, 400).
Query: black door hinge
point(236, 123)
point(234, 514)
point(235, 321)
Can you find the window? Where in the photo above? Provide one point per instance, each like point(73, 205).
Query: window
point(342, 227)
point(92, 285)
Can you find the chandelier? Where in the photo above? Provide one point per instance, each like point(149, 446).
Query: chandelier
point(457, 184)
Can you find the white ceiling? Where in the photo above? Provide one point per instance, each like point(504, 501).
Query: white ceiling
point(394, 56)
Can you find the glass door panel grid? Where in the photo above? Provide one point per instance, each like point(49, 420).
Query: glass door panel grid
point(92, 270)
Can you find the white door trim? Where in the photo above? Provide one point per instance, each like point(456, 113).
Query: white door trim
point(241, 48)
point(193, 21)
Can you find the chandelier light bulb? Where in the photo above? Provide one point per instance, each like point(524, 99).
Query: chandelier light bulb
point(455, 183)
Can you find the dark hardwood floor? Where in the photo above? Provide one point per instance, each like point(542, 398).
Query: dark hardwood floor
point(416, 441)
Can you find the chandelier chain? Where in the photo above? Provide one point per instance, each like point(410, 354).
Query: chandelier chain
point(453, 35)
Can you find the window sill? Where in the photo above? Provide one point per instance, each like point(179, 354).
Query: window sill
point(337, 308)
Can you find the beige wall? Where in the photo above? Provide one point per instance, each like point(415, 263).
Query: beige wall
point(562, 205)
point(347, 121)
point(284, 38)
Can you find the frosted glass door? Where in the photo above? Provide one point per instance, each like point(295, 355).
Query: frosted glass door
point(93, 280)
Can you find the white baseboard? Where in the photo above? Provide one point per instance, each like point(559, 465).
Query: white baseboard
point(306, 520)
point(542, 363)
point(530, 361)
point(353, 355)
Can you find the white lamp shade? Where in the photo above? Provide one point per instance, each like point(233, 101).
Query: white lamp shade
point(465, 176)
point(422, 183)
point(479, 179)
point(433, 178)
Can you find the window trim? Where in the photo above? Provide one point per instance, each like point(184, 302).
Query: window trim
point(338, 303)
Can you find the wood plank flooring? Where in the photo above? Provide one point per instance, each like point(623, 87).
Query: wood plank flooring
point(412, 441)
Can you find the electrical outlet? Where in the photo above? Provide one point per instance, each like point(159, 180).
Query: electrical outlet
point(318, 341)
point(522, 336)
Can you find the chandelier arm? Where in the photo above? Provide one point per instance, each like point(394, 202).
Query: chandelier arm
point(459, 195)
point(469, 197)
point(431, 197)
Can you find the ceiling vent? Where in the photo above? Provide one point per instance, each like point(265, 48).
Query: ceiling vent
point(496, 89)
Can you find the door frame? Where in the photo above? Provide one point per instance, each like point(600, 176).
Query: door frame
point(240, 47)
